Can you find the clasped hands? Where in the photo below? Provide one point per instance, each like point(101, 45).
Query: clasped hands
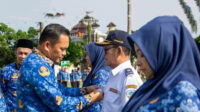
point(95, 92)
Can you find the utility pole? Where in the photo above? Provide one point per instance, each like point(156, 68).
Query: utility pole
point(129, 28)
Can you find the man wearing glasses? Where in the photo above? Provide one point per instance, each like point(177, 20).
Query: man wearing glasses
point(124, 79)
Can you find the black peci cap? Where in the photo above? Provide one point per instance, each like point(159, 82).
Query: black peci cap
point(116, 37)
point(24, 43)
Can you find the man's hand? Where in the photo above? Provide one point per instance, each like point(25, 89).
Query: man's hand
point(96, 96)
point(89, 89)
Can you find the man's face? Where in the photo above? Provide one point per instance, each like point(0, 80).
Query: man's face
point(111, 55)
point(58, 50)
point(21, 53)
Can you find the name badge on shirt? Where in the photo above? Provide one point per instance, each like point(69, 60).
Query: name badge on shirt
point(113, 90)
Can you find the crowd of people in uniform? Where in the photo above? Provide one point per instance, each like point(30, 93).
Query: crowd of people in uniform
point(74, 79)
point(166, 54)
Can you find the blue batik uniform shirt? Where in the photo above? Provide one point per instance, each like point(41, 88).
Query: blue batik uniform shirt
point(84, 75)
point(38, 90)
point(77, 77)
point(59, 76)
point(2, 102)
point(9, 76)
point(65, 76)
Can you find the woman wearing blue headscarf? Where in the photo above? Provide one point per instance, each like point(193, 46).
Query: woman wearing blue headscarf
point(169, 57)
point(99, 74)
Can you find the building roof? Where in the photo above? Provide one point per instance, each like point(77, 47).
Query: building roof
point(80, 27)
point(87, 17)
point(95, 25)
point(111, 24)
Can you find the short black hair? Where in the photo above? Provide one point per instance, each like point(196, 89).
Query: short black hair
point(52, 33)
point(126, 50)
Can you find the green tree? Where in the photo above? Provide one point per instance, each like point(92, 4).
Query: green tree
point(8, 38)
point(188, 12)
point(197, 40)
point(76, 52)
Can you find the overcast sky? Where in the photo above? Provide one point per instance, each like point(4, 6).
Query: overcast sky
point(21, 14)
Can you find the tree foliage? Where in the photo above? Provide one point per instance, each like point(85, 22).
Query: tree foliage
point(8, 38)
point(197, 40)
point(76, 52)
point(188, 12)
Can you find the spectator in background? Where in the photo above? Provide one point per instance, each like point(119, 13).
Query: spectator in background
point(84, 75)
point(72, 79)
point(59, 76)
point(77, 78)
point(64, 75)
point(9, 74)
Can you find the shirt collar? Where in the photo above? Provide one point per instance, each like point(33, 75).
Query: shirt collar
point(17, 66)
point(121, 66)
point(46, 59)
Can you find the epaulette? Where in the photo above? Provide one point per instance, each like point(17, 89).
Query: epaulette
point(128, 71)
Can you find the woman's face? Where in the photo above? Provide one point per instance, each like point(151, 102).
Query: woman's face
point(143, 64)
point(88, 60)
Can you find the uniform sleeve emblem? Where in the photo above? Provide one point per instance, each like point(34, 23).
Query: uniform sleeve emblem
point(20, 103)
point(95, 76)
point(44, 71)
point(132, 86)
point(3, 81)
point(128, 71)
point(80, 105)
point(154, 100)
point(14, 76)
point(130, 89)
point(59, 100)
point(129, 93)
point(15, 93)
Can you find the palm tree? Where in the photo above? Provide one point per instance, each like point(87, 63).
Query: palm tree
point(41, 25)
point(189, 14)
point(198, 3)
point(51, 15)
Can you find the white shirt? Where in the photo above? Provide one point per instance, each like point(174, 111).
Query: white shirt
point(123, 82)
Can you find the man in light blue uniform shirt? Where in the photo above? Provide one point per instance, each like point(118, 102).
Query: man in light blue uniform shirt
point(84, 75)
point(9, 74)
point(37, 88)
point(72, 80)
point(65, 76)
point(78, 77)
point(124, 79)
point(59, 77)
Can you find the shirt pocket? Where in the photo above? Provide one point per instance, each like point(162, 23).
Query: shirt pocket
point(113, 96)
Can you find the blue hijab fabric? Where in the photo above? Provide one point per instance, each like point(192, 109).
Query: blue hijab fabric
point(96, 56)
point(172, 55)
